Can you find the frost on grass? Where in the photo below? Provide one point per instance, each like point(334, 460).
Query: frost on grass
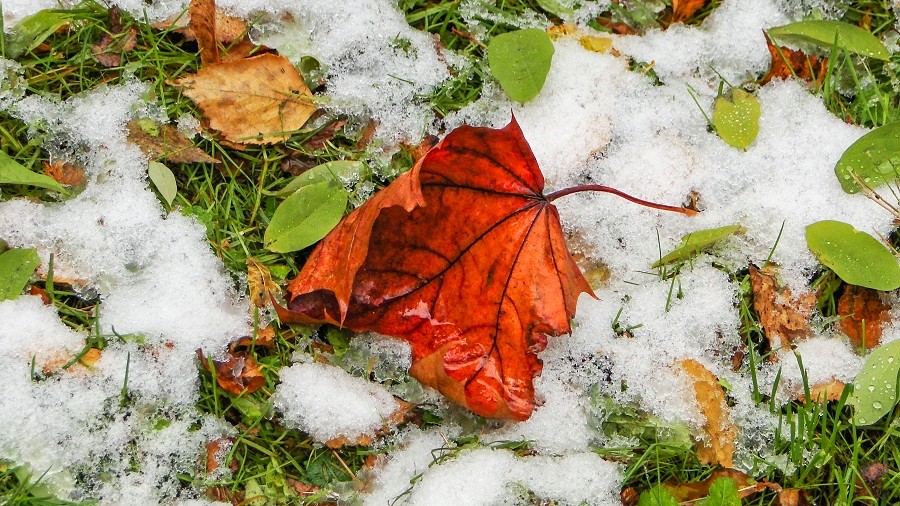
point(327, 403)
point(162, 294)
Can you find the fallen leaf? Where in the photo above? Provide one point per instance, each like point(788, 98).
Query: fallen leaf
point(318, 140)
point(783, 317)
point(216, 453)
point(203, 26)
point(237, 374)
point(736, 118)
point(113, 43)
point(787, 63)
point(65, 173)
point(164, 141)
point(682, 10)
point(164, 181)
point(824, 392)
point(256, 100)
point(227, 28)
point(475, 300)
point(259, 283)
point(717, 446)
point(302, 489)
point(793, 497)
point(264, 337)
point(696, 490)
point(863, 315)
point(869, 483)
point(67, 362)
point(16, 267)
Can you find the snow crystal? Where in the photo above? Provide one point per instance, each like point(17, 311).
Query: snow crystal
point(327, 403)
point(824, 360)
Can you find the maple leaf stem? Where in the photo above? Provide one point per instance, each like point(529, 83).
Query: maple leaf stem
point(607, 189)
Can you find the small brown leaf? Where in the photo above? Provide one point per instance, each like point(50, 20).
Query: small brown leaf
point(65, 173)
point(793, 497)
point(162, 141)
point(228, 28)
point(784, 318)
point(237, 374)
point(216, 452)
point(824, 392)
point(717, 446)
point(629, 496)
point(257, 100)
point(203, 26)
point(265, 337)
point(317, 141)
point(863, 315)
point(79, 366)
point(111, 46)
point(682, 10)
point(259, 282)
point(787, 63)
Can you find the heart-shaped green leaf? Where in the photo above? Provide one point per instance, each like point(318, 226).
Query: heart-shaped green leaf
point(13, 172)
point(855, 256)
point(163, 180)
point(825, 32)
point(695, 242)
point(306, 216)
point(875, 387)
point(874, 158)
point(737, 120)
point(520, 61)
point(16, 267)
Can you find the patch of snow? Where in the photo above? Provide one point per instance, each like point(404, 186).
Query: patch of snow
point(327, 403)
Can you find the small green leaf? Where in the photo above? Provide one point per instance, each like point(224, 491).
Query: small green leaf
point(13, 172)
point(695, 242)
point(855, 256)
point(875, 387)
point(306, 217)
point(16, 268)
point(737, 120)
point(722, 492)
point(28, 33)
point(163, 180)
point(520, 61)
point(559, 8)
point(657, 496)
point(825, 32)
point(874, 158)
point(340, 171)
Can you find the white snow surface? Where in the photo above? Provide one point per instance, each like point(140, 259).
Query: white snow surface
point(328, 403)
point(595, 121)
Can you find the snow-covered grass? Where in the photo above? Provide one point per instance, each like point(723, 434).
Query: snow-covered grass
point(149, 285)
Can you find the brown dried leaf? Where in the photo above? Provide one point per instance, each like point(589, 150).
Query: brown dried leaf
point(228, 28)
point(257, 100)
point(203, 26)
point(55, 365)
point(787, 63)
point(65, 173)
point(717, 446)
point(259, 282)
point(111, 46)
point(629, 496)
point(237, 374)
point(682, 10)
point(780, 314)
point(162, 141)
point(793, 497)
point(216, 452)
point(863, 315)
point(824, 392)
point(264, 337)
point(317, 141)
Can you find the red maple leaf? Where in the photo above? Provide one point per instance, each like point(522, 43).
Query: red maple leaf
point(463, 257)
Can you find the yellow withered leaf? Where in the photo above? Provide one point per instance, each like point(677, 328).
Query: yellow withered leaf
point(717, 446)
point(256, 100)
